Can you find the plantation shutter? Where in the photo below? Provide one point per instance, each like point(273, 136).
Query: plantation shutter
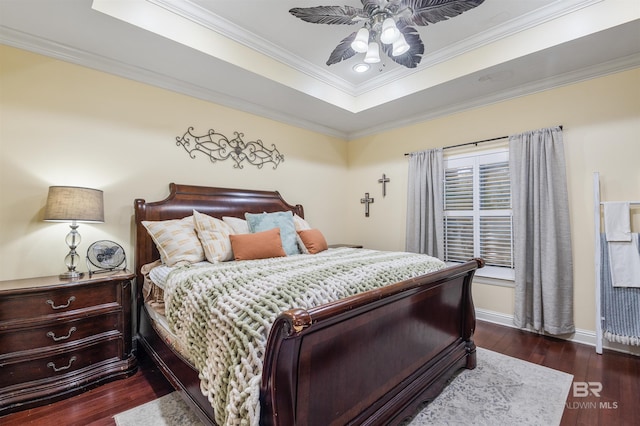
point(495, 231)
point(477, 200)
point(458, 197)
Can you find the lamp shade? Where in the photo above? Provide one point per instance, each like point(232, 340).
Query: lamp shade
point(361, 42)
point(400, 46)
point(373, 53)
point(71, 203)
point(390, 32)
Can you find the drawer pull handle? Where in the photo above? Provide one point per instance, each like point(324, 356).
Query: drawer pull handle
point(71, 299)
point(56, 339)
point(56, 369)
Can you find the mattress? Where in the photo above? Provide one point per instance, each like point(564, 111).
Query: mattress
point(154, 275)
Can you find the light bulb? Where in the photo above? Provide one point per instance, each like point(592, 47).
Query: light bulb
point(390, 32)
point(361, 42)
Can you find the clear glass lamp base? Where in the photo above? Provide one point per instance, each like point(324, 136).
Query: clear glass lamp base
point(71, 260)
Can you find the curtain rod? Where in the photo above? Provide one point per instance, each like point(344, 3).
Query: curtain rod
point(474, 143)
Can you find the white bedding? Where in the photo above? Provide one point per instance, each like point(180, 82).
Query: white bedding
point(222, 313)
point(160, 273)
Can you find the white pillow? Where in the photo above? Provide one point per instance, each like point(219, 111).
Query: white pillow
point(214, 236)
point(176, 240)
point(238, 225)
point(300, 223)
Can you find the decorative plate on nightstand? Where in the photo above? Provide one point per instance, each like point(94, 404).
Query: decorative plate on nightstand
point(106, 256)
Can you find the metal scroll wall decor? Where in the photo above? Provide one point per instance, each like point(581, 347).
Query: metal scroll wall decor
point(218, 147)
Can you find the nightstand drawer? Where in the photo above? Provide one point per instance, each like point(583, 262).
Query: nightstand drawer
point(33, 304)
point(54, 366)
point(58, 333)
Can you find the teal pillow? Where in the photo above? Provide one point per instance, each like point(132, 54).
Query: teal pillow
point(283, 220)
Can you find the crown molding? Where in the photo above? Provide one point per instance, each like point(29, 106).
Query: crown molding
point(584, 74)
point(65, 53)
point(62, 52)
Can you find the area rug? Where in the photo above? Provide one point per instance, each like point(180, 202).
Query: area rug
point(500, 390)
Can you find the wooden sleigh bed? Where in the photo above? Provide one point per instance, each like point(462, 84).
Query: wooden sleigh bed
point(398, 345)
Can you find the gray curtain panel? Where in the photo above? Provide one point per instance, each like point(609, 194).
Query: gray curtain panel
point(542, 232)
point(425, 203)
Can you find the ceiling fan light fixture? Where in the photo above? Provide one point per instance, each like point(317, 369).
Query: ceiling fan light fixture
point(373, 53)
point(390, 33)
point(400, 46)
point(361, 43)
point(388, 24)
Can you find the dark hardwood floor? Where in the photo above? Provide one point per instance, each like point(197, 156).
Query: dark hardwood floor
point(618, 402)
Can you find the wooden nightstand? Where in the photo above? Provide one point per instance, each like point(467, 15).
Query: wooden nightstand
point(59, 338)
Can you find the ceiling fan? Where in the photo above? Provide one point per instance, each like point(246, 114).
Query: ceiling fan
point(387, 25)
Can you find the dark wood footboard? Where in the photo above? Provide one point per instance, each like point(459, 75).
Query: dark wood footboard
point(373, 358)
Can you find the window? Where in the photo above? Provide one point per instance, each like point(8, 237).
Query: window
point(477, 211)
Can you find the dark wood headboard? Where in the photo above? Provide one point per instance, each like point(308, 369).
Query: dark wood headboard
point(216, 202)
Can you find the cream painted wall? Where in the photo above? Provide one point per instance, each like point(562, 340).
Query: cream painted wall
point(64, 124)
point(601, 119)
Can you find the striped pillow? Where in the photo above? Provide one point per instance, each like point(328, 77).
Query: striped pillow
point(176, 240)
point(214, 236)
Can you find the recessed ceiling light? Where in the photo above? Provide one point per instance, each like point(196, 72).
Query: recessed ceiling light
point(361, 67)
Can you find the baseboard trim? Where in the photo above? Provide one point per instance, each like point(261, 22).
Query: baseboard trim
point(585, 337)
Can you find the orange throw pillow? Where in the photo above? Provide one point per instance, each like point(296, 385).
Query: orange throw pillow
point(313, 240)
point(261, 245)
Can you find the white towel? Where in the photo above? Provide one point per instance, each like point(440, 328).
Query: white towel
point(624, 258)
point(617, 221)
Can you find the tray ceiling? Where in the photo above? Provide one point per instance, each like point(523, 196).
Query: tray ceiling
point(253, 55)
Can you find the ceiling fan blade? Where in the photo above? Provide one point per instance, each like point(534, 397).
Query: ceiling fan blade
point(427, 12)
point(370, 6)
point(413, 56)
point(342, 51)
point(332, 15)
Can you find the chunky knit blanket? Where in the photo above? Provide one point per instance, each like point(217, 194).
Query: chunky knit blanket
point(223, 312)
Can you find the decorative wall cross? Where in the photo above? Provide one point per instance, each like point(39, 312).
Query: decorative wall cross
point(384, 181)
point(366, 201)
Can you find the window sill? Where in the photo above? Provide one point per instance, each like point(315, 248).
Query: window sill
point(479, 279)
point(492, 275)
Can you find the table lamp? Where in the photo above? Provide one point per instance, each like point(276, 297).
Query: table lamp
point(73, 204)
